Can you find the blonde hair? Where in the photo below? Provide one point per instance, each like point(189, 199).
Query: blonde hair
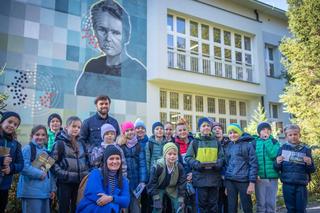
point(182, 121)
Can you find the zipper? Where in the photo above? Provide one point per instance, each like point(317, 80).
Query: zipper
point(264, 161)
point(78, 165)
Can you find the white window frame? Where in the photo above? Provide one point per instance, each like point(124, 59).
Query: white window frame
point(268, 62)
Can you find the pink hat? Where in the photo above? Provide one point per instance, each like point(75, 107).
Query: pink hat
point(126, 125)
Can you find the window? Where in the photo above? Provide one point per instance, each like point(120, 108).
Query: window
point(223, 123)
point(233, 107)
point(274, 109)
point(169, 22)
point(217, 52)
point(205, 49)
point(233, 121)
point(227, 38)
point(222, 106)
point(211, 105)
point(242, 108)
point(170, 41)
point(237, 41)
point(163, 99)
point(181, 43)
point(163, 117)
point(174, 100)
point(174, 116)
point(199, 103)
point(194, 47)
point(189, 120)
point(270, 50)
point(238, 57)
point(193, 29)
point(243, 124)
point(205, 32)
point(181, 25)
point(187, 102)
point(217, 35)
point(227, 55)
point(247, 43)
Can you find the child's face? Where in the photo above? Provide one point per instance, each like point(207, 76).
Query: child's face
point(129, 133)
point(205, 128)
point(234, 136)
point(114, 162)
point(140, 131)
point(168, 130)
point(158, 132)
point(265, 133)
point(40, 137)
point(218, 131)
point(171, 156)
point(109, 137)
point(10, 125)
point(55, 125)
point(74, 128)
point(293, 136)
point(182, 131)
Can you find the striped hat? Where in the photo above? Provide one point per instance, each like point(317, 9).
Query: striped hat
point(234, 127)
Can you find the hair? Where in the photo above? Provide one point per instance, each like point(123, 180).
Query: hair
point(114, 9)
point(35, 129)
point(105, 171)
point(102, 98)
point(291, 127)
point(168, 122)
point(182, 121)
point(72, 119)
point(12, 136)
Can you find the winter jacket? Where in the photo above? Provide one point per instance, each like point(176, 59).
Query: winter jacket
point(90, 133)
point(205, 158)
point(121, 196)
point(30, 185)
point(143, 142)
point(16, 165)
point(73, 165)
point(294, 170)
point(183, 148)
point(136, 165)
point(266, 151)
point(174, 184)
point(51, 139)
point(241, 160)
point(153, 151)
point(224, 143)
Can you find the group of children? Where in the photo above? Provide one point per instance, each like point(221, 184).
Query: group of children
point(204, 172)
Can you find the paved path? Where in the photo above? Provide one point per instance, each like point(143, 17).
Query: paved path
point(312, 209)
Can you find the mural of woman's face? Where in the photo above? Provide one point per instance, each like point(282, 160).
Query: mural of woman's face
point(108, 31)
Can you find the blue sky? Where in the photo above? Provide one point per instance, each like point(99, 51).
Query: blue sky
point(282, 4)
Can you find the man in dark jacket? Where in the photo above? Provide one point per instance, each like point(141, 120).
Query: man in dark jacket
point(91, 127)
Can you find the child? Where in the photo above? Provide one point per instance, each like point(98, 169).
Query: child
point(35, 187)
point(140, 129)
point(107, 190)
point(108, 135)
point(54, 124)
point(167, 177)
point(11, 159)
point(205, 157)
point(241, 169)
point(155, 145)
point(168, 132)
point(267, 184)
point(295, 164)
point(71, 164)
point(136, 159)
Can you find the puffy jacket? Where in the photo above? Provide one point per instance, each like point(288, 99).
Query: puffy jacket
point(294, 170)
point(154, 151)
point(16, 165)
point(266, 151)
point(136, 165)
point(224, 143)
point(30, 185)
point(143, 142)
point(73, 165)
point(241, 160)
point(90, 133)
point(203, 150)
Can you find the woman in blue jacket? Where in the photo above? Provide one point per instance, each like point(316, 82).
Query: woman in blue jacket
point(107, 190)
point(36, 186)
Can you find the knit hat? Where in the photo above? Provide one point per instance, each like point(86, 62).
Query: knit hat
point(107, 128)
point(139, 123)
point(155, 125)
point(52, 116)
point(126, 125)
point(263, 125)
point(169, 146)
point(110, 150)
point(203, 120)
point(234, 127)
point(6, 115)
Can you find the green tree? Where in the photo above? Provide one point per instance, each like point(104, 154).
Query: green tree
point(302, 60)
point(3, 96)
point(259, 115)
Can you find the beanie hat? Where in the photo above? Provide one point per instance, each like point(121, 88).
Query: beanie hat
point(155, 125)
point(263, 125)
point(214, 124)
point(107, 128)
point(139, 123)
point(52, 116)
point(6, 115)
point(234, 127)
point(203, 120)
point(110, 150)
point(126, 125)
point(167, 147)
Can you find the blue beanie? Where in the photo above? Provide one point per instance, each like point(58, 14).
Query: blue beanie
point(263, 125)
point(156, 124)
point(235, 127)
point(139, 123)
point(6, 115)
point(203, 120)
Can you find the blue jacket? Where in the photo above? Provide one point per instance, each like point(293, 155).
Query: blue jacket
point(241, 160)
point(30, 185)
point(90, 133)
point(295, 171)
point(121, 197)
point(17, 161)
point(136, 165)
point(143, 142)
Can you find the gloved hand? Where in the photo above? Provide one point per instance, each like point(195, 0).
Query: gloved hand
point(157, 204)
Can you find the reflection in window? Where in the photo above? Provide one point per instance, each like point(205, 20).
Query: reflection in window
point(238, 57)
point(181, 25)
point(169, 22)
point(205, 32)
point(247, 43)
point(181, 43)
point(248, 59)
point(187, 102)
point(227, 54)
point(217, 35)
point(174, 100)
point(170, 41)
point(193, 28)
point(227, 38)
point(205, 49)
point(194, 46)
point(237, 40)
point(217, 52)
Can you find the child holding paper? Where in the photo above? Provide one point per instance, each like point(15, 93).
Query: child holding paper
point(295, 164)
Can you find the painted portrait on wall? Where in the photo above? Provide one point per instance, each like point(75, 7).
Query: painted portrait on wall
point(114, 72)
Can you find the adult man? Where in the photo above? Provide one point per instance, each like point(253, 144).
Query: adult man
point(115, 70)
point(90, 132)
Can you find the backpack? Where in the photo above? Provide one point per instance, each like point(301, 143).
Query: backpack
point(82, 187)
point(33, 151)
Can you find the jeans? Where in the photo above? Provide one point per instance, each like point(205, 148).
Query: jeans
point(266, 194)
point(295, 197)
point(233, 190)
point(207, 199)
point(67, 197)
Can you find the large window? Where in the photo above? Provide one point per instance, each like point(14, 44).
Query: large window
point(205, 48)
point(274, 110)
point(270, 60)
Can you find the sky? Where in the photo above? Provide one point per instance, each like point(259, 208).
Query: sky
point(282, 4)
